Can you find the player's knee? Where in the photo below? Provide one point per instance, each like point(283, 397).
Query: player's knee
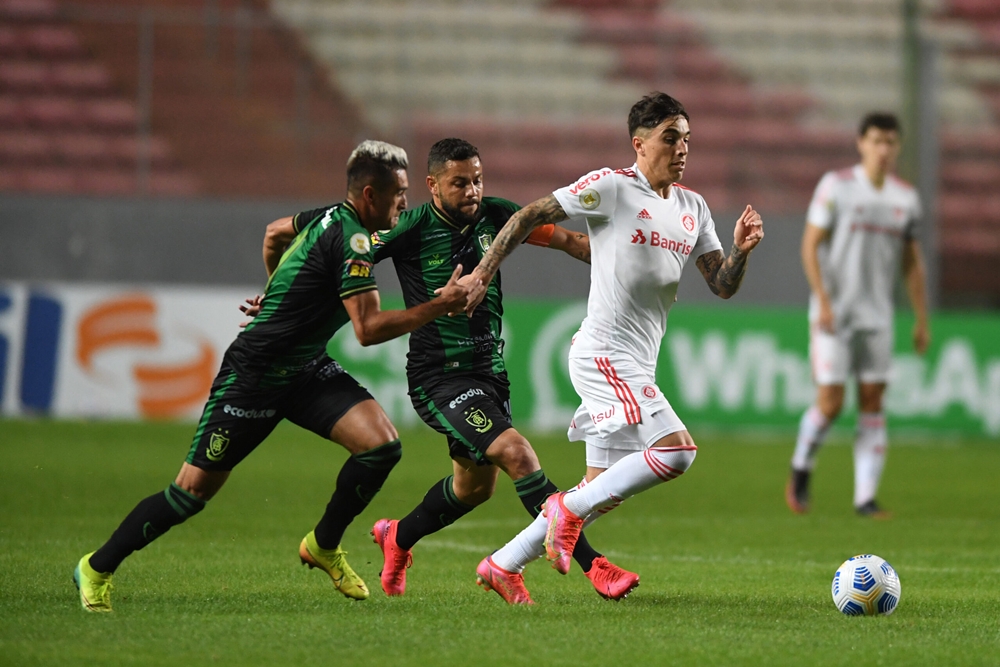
point(676, 458)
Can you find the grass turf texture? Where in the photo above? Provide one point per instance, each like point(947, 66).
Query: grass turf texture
point(729, 576)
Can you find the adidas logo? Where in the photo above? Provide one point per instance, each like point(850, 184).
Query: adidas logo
point(644, 215)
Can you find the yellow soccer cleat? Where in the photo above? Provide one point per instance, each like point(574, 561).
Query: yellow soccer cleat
point(334, 563)
point(95, 587)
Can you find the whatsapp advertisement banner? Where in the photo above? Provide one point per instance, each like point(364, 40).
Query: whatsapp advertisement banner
point(724, 366)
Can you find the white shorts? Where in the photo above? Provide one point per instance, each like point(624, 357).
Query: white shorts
point(867, 354)
point(622, 409)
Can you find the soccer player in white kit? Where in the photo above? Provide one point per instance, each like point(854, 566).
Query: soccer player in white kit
point(860, 229)
point(643, 228)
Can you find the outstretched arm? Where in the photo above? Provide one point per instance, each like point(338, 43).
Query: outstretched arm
point(278, 235)
point(372, 325)
point(916, 286)
point(545, 211)
point(724, 275)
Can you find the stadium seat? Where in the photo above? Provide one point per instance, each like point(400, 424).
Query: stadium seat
point(28, 10)
point(52, 112)
point(52, 42)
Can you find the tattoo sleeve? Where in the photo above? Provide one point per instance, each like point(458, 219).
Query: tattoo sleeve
point(542, 212)
point(723, 275)
point(583, 248)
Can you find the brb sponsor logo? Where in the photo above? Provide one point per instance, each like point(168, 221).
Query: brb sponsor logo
point(248, 413)
point(462, 398)
point(657, 240)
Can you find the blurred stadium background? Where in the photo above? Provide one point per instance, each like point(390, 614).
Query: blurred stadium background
point(145, 144)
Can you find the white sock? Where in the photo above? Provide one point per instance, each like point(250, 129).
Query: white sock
point(631, 475)
point(869, 456)
point(813, 428)
point(529, 544)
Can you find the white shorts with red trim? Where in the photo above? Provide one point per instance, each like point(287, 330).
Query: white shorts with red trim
point(866, 354)
point(622, 408)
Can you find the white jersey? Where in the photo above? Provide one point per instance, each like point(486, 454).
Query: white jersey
point(639, 244)
point(868, 229)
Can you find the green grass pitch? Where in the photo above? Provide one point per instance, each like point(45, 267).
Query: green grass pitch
point(729, 576)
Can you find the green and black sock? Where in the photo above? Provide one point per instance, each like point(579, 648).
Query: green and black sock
point(533, 489)
point(359, 481)
point(439, 508)
point(151, 518)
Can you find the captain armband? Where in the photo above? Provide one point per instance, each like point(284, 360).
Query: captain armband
point(542, 236)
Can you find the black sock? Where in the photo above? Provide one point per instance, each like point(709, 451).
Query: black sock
point(439, 508)
point(359, 480)
point(151, 518)
point(533, 489)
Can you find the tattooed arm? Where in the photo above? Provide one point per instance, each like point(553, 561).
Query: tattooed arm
point(724, 275)
point(574, 244)
point(544, 211)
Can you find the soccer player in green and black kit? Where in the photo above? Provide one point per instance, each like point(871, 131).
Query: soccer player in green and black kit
point(455, 367)
point(277, 368)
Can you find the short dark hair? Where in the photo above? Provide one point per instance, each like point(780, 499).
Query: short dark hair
point(449, 149)
point(652, 110)
point(881, 120)
point(374, 163)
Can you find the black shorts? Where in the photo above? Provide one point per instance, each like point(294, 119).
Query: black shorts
point(471, 410)
point(238, 416)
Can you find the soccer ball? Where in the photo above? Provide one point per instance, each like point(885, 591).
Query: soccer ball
point(866, 586)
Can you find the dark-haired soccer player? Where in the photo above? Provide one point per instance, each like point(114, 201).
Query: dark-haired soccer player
point(455, 368)
point(860, 229)
point(277, 369)
point(644, 227)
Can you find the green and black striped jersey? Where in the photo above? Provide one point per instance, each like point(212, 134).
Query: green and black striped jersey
point(329, 260)
point(425, 247)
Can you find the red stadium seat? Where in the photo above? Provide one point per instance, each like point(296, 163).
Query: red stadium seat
point(107, 182)
point(48, 179)
point(53, 112)
point(52, 42)
point(110, 115)
point(11, 112)
point(80, 78)
point(28, 10)
point(10, 45)
point(24, 77)
point(24, 148)
point(85, 148)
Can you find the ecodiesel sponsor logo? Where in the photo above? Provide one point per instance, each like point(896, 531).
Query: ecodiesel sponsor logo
point(248, 413)
point(462, 398)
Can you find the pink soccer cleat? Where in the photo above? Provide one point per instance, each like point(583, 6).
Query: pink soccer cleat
point(508, 585)
point(610, 581)
point(395, 560)
point(562, 533)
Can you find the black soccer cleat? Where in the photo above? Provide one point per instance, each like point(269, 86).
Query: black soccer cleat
point(872, 510)
point(797, 491)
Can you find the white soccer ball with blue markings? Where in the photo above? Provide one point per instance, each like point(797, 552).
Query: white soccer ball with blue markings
point(866, 585)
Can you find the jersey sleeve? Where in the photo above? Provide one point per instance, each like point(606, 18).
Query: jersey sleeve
point(301, 220)
point(593, 196)
point(502, 210)
point(708, 239)
point(355, 265)
point(823, 207)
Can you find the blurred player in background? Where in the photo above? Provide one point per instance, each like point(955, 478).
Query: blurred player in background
point(277, 368)
point(643, 229)
point(860, 229)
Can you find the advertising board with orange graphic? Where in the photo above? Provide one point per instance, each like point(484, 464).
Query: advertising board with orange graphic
point(106, 351)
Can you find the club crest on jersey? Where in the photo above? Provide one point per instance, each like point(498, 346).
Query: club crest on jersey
point(485, 239)
point(688, 221)
point(649, 391)
point(360, 243)
point(478, 420)
point(217, 445)
point(590, 199)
